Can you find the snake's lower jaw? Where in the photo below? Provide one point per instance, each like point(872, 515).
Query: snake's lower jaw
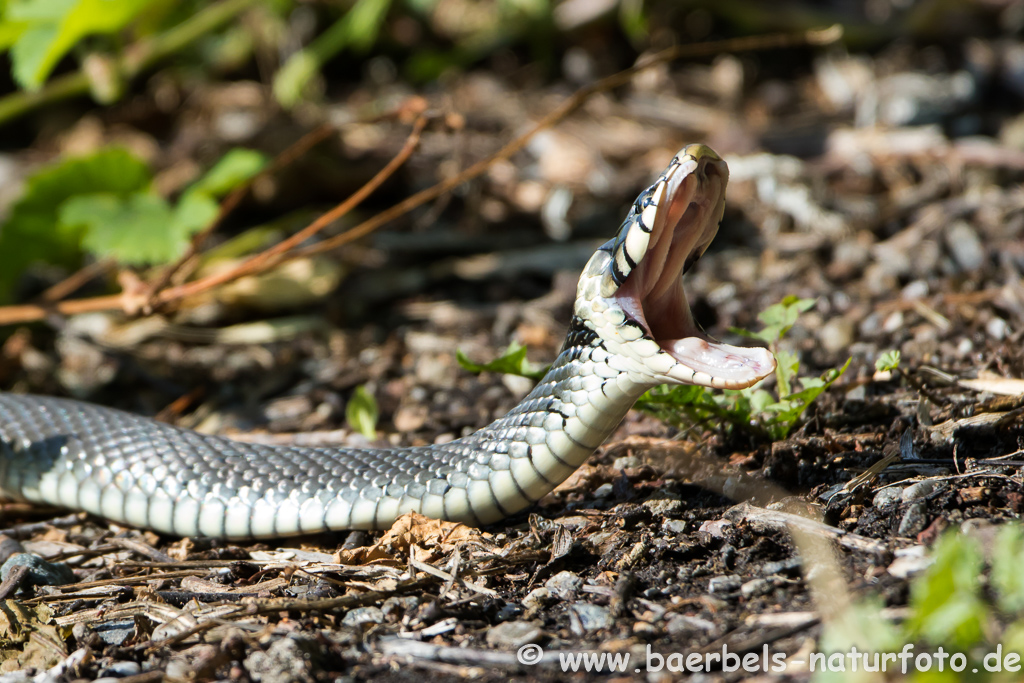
point(719, 365)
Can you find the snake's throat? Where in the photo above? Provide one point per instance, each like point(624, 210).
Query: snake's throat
point(686, 223)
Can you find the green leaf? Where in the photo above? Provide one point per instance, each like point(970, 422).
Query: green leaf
point(138, 230)
point(633, 20)
point(33, 232)
point(361, 412)
point(779, 318)
point(1007, 577)
point(234, 168)
point(789, 409)
point(55, 26)
point(947, 608)
point(358, 29)
point(291, 79)
point(511, 362)
point(363, 22)
point(787, 365)
point(888, 361)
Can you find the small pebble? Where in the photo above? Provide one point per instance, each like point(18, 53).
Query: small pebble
point(836, 334)
point(917, 491)
point(887, 496)
point(664, 507)
point(603, 491)
point(508, 612)
point(513, 635)
point(914, 519)
point(40, 572)
point(756, 587)
point(997, 328)
point(858, 393)
point(917, 289)
point(893, 322)
point(396, 607)
point(909, 561)
point(590, 617)
point(537, 598)
point(684, 624)
point(787, 567)
point(646, 629)
point(965, 246)
point(727, 583)
point(674, 526)
point(120, 669)
point(363, 615)
point(626, 462)
point(564, 584)
point(716, 527)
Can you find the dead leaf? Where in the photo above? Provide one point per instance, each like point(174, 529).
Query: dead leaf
point(412, 528)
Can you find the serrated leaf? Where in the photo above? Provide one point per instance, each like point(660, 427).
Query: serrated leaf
point(33, 233)
point(55, 26)
point(139, 229)
point(511, 362)
point(361, 412)
point(779, 318)
point(233, 169)
point(888, 361)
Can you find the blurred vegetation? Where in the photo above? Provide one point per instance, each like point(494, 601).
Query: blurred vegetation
point(104, 205)
point(962, 617)
point(59, 50)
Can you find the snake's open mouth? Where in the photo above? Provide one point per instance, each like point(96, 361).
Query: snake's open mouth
point(685, 222)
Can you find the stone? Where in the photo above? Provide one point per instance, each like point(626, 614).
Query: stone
point(512, 635)
point(917, 491)
point(363, 615)
point(756, 587)
point(589, 617)
point(915, 519)
point(40, 572)
point(887, 496)
point(289, 660)
point(727, 583)
point(564, 584)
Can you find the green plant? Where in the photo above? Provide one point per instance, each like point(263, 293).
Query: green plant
point(950, 611)
point(103, 204)
point(357, 28)
point(946, 600)
point(40, 32)
point(753, 409)
point(512, 362)
point(362, 413)
point(888, 361)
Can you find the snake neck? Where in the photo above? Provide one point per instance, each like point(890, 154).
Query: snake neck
point(557, 426)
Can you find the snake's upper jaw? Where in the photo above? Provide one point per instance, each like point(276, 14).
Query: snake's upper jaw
point(671, 226)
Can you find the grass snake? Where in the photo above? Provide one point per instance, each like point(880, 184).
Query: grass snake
point(631, 330)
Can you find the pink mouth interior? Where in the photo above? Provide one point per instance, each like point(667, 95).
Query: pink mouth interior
point(653, 292)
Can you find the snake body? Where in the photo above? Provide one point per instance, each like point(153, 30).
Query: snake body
point(631, 330)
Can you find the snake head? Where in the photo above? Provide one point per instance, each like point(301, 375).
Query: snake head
point(631, 292)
